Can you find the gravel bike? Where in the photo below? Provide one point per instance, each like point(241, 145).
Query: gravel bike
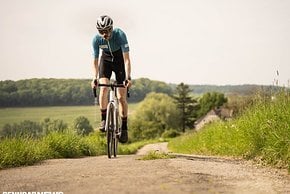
point(112, 127)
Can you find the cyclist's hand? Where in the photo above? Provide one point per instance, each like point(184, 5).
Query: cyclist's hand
point(94, 83)
point(128, 83)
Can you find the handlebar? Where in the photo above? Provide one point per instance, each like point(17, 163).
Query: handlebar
point(113, 85)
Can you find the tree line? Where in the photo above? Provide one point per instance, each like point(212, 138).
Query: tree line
point(66, 92)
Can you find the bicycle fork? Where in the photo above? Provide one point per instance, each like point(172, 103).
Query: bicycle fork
point(113, 108)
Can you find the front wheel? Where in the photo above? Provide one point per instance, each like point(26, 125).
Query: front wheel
point(115, 144)
point(110, 143)
point(116, 133)
point(110, 132)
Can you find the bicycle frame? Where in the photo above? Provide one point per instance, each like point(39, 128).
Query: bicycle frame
point(112, 122)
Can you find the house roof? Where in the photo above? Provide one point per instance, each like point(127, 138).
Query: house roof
point(223, 113)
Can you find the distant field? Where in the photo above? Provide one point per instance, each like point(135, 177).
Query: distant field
point(65, 113)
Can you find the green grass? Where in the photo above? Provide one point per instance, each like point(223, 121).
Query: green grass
point(65, 113)
point(22, 151)
point(154, 155)
point(37, 114)
point(262, 133)
point(27, 151)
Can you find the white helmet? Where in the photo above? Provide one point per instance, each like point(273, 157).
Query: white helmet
point(104, 22)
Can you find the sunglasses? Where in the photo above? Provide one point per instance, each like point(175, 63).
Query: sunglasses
point(107, 31)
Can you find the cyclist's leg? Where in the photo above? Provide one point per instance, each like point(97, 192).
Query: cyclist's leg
point(120, 73)
point(123, 105)
point(105, 73)
point(103, 93)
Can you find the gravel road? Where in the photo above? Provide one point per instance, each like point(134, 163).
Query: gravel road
point(129, 174)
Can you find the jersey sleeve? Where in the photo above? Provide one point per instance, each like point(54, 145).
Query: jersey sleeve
point(123, 42)
point(96, 48)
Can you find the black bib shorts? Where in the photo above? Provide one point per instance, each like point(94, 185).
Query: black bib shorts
point(112, 62)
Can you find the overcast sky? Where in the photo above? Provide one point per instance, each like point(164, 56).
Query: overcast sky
point(191, 41)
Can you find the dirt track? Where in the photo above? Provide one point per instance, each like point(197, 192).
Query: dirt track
point(127, 174)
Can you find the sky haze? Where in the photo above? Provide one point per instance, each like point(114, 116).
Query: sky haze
point(195, 42)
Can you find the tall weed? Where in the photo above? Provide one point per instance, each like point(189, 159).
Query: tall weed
point(56, 144)
point(22, 151)
point(63, 145)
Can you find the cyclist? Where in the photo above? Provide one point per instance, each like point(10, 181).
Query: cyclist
point(114, 58)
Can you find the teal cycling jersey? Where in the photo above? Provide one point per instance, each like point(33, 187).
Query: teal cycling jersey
point(117, 41)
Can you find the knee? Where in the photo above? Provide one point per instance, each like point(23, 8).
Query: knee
point(122, 99)
point(103, 91)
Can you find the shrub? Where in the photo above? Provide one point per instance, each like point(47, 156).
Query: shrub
point(24, 129)
point(170, 134)
point(82, 126)
point(157, 113)
point(53, 125)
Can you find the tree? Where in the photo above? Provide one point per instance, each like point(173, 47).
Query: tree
point(143, 86)
point(155, 114)
point(211, 100)
point(186, 104)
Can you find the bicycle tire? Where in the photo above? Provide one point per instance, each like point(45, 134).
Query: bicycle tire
point(109, 144)
point(117, 132)
point(115, 148)
point(110, 131)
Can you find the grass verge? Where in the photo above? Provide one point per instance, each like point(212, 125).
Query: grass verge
point(262, 133)
point(27, 151)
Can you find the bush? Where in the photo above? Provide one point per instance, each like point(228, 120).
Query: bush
point(170, 134)
point(24, 129)
point(54, 125)
point(82, 125)
point(157, 113)
point(32, 129)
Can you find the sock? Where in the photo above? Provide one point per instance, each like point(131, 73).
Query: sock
point(124, 123)
point(103, 114)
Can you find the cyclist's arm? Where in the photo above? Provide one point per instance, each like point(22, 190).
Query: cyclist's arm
point(96, 68)
point(96, 50)
point(95, 73)
point(127, 65)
